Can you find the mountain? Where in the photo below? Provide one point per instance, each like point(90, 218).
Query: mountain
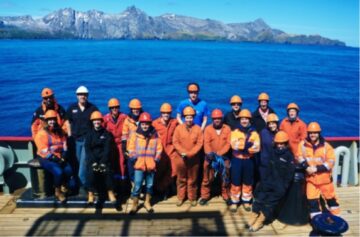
point(133, 23)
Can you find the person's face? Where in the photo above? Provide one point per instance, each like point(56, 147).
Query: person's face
point(165, 116)
point(49, 101)
point(292, 113)
point(281, 146)
point(272, 126)
point(51, 122)
point(193, 95)
point(217, 121)
point(145, 126)
point(189, 119)
point(245, 122)
point(114, 110)
point(97, 123)
point(135, 112)
point(314, 136)
point(82, 98)
point(263, 104)
point(236, 106)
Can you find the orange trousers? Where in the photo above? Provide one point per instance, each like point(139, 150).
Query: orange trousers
point(208, 178)
point(187, 173)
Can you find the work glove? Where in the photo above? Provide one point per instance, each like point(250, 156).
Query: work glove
point(123, 148)
point(210, 157)
point(102, 168)
point(183, 156)
point(95, 167)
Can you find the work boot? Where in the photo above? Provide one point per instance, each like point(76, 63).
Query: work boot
point(247, 207)
point(233, 207)
point(63, 188)
point(203, 202)
point(91, 198)
point(252, 218)
point(193, 203)
point(179, 203)
point(111, 196)
point(259, 223)
point(135, 205)
point(59, 195)
point(147, 203)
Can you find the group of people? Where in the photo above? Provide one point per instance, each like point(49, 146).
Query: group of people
point(253, 155)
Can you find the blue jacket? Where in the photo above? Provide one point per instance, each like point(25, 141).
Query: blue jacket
point(266, 138)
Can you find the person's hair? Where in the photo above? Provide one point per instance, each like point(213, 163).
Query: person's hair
point(57, 129)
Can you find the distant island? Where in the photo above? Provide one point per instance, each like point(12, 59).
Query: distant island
point(133, 23)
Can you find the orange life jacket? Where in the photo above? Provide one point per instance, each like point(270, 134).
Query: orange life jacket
point(49, 143)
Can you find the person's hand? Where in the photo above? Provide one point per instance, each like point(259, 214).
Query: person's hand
point(95, 167)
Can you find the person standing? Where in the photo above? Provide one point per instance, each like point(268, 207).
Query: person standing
point(78, 115)
point(188, 141)
point(294, 127)
point(199, 105)
point(232, 117)
point(145, 151)
point(216, 143)
point(259, 116)
point(166, 171)
point(317, 157)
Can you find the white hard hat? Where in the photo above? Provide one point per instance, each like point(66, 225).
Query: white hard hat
point(82, 90)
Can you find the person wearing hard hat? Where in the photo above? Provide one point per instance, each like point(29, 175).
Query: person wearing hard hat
point(317, 157)
point(199, 105)
point(294, 127)
point(52, 150)
point(145, 150)
point(98, 143)
point(166, 173)
point(232, 117)
point(259, 116)
point(188, 141)
point(113, 122)
point(216, 146)
point(274, 186)
point(267, 143)
point(48, 103)
point(129, 127)
point(78, 115)
point(245, 143)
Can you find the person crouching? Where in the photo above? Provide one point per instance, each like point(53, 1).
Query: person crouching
point(98, 143)
point(144, 150)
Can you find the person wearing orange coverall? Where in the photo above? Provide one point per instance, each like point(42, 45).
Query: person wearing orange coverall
point(188, 141)
point(318, 158)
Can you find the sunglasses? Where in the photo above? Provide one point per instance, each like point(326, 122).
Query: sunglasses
point(193, 92)
point(116, 107)
point(233, 104)
point(48, 98)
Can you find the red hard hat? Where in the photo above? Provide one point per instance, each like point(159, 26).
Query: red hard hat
point(216, 113)
point(145, 117)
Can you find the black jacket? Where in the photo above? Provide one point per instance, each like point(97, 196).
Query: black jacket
point(80, 120)
point(230, 120)
point(98, 146)
point(257, 121)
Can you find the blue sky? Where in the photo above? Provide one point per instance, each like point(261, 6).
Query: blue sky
point(335, 19)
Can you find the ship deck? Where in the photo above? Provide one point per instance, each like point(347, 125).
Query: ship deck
point(168, 219)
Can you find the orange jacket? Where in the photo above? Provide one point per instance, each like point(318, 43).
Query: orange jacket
point(218, 143)
point(115, 128)
point(321, 154)
point(129, 127)
point(239, 140)
point(296, 132)
point(188, 141)
point(146, 150)
point(48, 143)
point(166, 134)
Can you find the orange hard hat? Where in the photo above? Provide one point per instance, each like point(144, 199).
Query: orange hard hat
point(236, 99)
point(216, 113)
point(281, 137)
point(166, 108)
point(272, 118)
point(96, 115)
point(193, 87)
point(46, 92)
point(135, 104)
point(264, 96)
point(113, 102)
point(245, 113)
point(145, 117)
point(293, 106)
point(188, 111)
point(50, 114)
point(314, 127)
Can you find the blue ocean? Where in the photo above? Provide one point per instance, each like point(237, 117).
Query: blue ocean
point(323, 81)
